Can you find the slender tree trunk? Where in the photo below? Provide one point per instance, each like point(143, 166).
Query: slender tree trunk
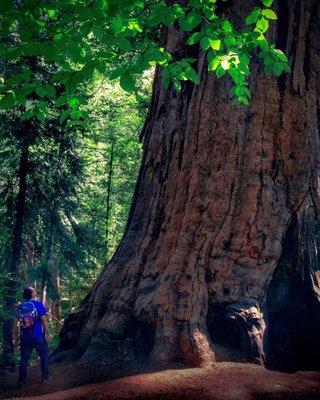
point(71, 290)
point(16, 247)
point(109, 185)
point(56, 307)
point(44, 287)
point(223, 234)
point(46, 269)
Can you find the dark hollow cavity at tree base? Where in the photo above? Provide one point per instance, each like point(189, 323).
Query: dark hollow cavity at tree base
point(293, 298)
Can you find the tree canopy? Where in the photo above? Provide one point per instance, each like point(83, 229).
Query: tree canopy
point(120, 39)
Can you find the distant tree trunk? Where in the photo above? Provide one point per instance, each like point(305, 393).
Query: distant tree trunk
point(109, 185)
point(223, 234)
point(56, 307)
point(70, 289)
point(45, 271)
point(16, 246)
point(44, 287)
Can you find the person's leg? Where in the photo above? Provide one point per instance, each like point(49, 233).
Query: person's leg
point(26, 350)
point(42, 350)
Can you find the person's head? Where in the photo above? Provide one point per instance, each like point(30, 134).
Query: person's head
point(29, 293)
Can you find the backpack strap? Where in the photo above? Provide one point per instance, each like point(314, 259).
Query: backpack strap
point(34, 309)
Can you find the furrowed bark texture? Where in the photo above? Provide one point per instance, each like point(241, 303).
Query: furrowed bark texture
point(227, 201)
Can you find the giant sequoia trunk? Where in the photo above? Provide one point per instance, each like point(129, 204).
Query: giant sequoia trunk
point(223, 234)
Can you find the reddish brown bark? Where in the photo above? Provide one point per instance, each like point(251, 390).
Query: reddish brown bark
point(219, 190)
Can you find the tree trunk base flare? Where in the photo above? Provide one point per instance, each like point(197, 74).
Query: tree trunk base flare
point(220, 255)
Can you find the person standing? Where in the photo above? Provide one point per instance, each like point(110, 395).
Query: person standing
point(31, 330)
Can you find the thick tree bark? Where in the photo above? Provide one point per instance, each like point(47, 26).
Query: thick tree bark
point(227, 201)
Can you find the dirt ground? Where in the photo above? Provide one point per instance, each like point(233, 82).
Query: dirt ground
point(222, 381)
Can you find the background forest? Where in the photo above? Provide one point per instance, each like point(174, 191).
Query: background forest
point(78, 187)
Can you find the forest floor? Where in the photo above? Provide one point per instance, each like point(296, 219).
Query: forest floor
point(222, 381)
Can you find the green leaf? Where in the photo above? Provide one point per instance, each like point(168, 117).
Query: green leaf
point(230, 41)
point(269, 14)
point(209, 13)
point(278, 68)
point(127, 82)
point(269, 60)
point(226, 26)
point(286, 68)
point(253, 16)
point(98, 31)
point(267, 3)
point(280, 55)
point(74, 102)
point(242, 91)
point(46, 90)
point(124, 44)
point(237, 76)
point(192, 75)
point(220, 72)
point(65, 114)
point(84, 12)
point(40, 115)
point(62, 100)
point(214, 63)
point(40, 91)
point(244, 100)
point(52, 13)
point(7, 100)
point(194, 38)
point(27, 115)
point(100, 4)
point(75, 51)
point(215, 44)
point(262, 41)
point(101, 67)
point(134, 25)
point(190, 22)
point(262, 24)
point(41, 22)
point(204, 43)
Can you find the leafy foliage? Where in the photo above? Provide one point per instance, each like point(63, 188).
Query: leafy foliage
point(120, 39)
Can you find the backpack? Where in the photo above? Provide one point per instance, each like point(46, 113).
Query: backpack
point(27, 313)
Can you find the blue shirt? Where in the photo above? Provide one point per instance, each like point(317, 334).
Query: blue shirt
point(37, 330)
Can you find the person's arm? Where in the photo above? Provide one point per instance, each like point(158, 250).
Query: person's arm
point(45, 325)
point(15, 332)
